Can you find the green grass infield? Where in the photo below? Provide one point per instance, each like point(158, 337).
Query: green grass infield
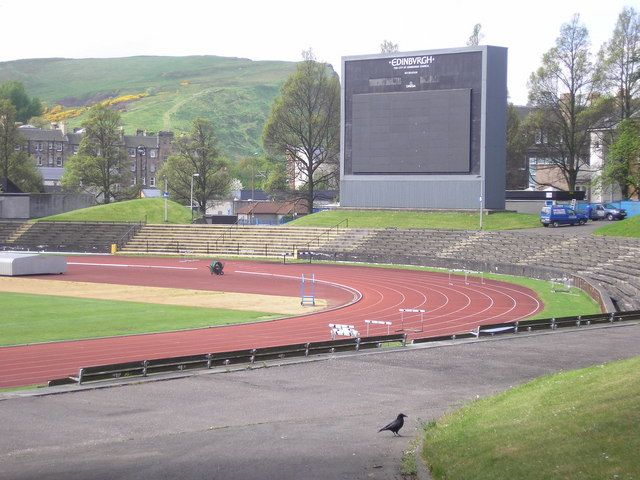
point(581, 424)
point(30, 318)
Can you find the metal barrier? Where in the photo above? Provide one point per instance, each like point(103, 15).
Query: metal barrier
point(144, 368)
point(536, 325)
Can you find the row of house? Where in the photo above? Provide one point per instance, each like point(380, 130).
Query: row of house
point(51, 148)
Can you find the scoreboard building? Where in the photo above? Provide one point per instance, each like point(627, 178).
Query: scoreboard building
point(424, 129)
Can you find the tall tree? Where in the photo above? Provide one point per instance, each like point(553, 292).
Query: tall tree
point(197, 162)
point(101, 166)
point(26, 107)
point(619, 62)
point(623, 159)
point(387, 46)
point(304, 124)
point(563, 92)
point(15, 165)
point(517, 143)
point(476, 36)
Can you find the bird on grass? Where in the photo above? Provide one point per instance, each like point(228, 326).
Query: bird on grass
point(395, 426)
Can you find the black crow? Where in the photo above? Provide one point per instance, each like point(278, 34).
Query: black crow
point(396, 425)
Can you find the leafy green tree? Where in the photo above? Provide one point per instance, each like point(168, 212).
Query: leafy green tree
point(563, 92)
point(619, 62)
point(304, 124)
point(15, 165)
point(197, 153)
point(517, 143)
point(25, 106)
point(623, 160)
point(101, 166)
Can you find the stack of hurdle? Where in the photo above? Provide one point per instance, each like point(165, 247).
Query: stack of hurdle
point(307, 290)
point(338, 330)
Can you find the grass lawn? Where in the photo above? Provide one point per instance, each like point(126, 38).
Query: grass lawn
point(629, 227)
point(42, 318)
point(150, 210)
point(581, 424)
point(418, 219)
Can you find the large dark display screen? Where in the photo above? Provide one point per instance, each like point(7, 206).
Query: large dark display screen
point(413, 132)
point(413, 114)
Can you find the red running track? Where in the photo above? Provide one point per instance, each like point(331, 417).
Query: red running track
point(354, 294)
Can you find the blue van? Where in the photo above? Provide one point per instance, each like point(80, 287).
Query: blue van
point(557, 215)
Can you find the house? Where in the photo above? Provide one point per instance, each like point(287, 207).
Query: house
point(270, 213)
point(51, 148)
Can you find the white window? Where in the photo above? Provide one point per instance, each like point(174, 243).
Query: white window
point(58, 161)
point(133, 181)
point(152, 153)
point(132, 152)
point(39, 160)
point(59, 147)
point(153, 167)
point(50, 145)
point(152, 181)
point(39, 146)
point(17, 148)
point(75, 149)
point(144, 181)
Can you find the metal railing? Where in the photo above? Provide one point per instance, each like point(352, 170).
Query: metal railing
point(221, 359)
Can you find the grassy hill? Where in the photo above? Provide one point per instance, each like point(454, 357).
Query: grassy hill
point(629, 227)
point(578, 424)
point(234, 93)
point(150, 210)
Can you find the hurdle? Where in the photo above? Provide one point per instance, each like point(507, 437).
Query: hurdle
point(307, 295)
point(467, 274)
point(411, 310)
point(339, 330)
point(561, 285)
point(378, 322)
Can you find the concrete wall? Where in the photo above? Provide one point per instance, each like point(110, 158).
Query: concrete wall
point(36, 205)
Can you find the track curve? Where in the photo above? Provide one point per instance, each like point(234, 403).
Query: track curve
point(354, 294)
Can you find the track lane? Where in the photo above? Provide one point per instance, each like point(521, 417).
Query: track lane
point(452, 307)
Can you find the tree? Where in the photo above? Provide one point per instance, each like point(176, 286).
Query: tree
point(197, 153)
point(517, 143)
point(476, 36)
point(619, 62)
point(15, 165)
point(623, 159)
point(567, 105)
point(304, 124)
point(101, 166)
point(388, 47)
point(25, 106)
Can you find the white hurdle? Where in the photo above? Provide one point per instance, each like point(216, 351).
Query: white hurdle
point(378, 322)
point(343, 331)
point(411, 310)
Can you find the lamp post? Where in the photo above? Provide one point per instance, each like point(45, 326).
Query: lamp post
point(481, 199)
point(191, 201)
point(165, 194)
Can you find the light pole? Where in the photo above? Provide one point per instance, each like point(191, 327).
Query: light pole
point(191, 201)
point(481, 199)
point(165, 194)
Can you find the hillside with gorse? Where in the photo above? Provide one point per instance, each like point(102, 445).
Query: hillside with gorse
point(160, 93)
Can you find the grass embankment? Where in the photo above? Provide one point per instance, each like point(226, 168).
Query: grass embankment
point(42, 318)
point(581, 424)
point(629, 227)
point(418, 219)
point(150, 210)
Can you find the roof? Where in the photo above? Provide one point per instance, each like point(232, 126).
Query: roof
point(274, 208)
point(133, 141)
point(42, 135)
point(255, 194)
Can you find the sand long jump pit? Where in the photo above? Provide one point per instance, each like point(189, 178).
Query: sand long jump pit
point(276, 304)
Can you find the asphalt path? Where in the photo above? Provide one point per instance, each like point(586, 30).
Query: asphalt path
point(311, 420)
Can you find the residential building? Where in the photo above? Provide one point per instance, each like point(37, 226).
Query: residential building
point(51, 148)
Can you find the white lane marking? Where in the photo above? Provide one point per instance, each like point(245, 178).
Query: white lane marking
point(130, 266)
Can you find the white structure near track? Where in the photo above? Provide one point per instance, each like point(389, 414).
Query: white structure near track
point(13, 264)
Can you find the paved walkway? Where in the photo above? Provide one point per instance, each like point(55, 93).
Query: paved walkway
point(315, 420)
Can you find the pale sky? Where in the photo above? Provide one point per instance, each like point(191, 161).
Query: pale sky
point(282, 29)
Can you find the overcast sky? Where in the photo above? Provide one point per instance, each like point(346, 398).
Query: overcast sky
point(281, 29)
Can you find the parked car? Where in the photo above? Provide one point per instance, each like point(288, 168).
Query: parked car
point(600, 211)
point(557, 215)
